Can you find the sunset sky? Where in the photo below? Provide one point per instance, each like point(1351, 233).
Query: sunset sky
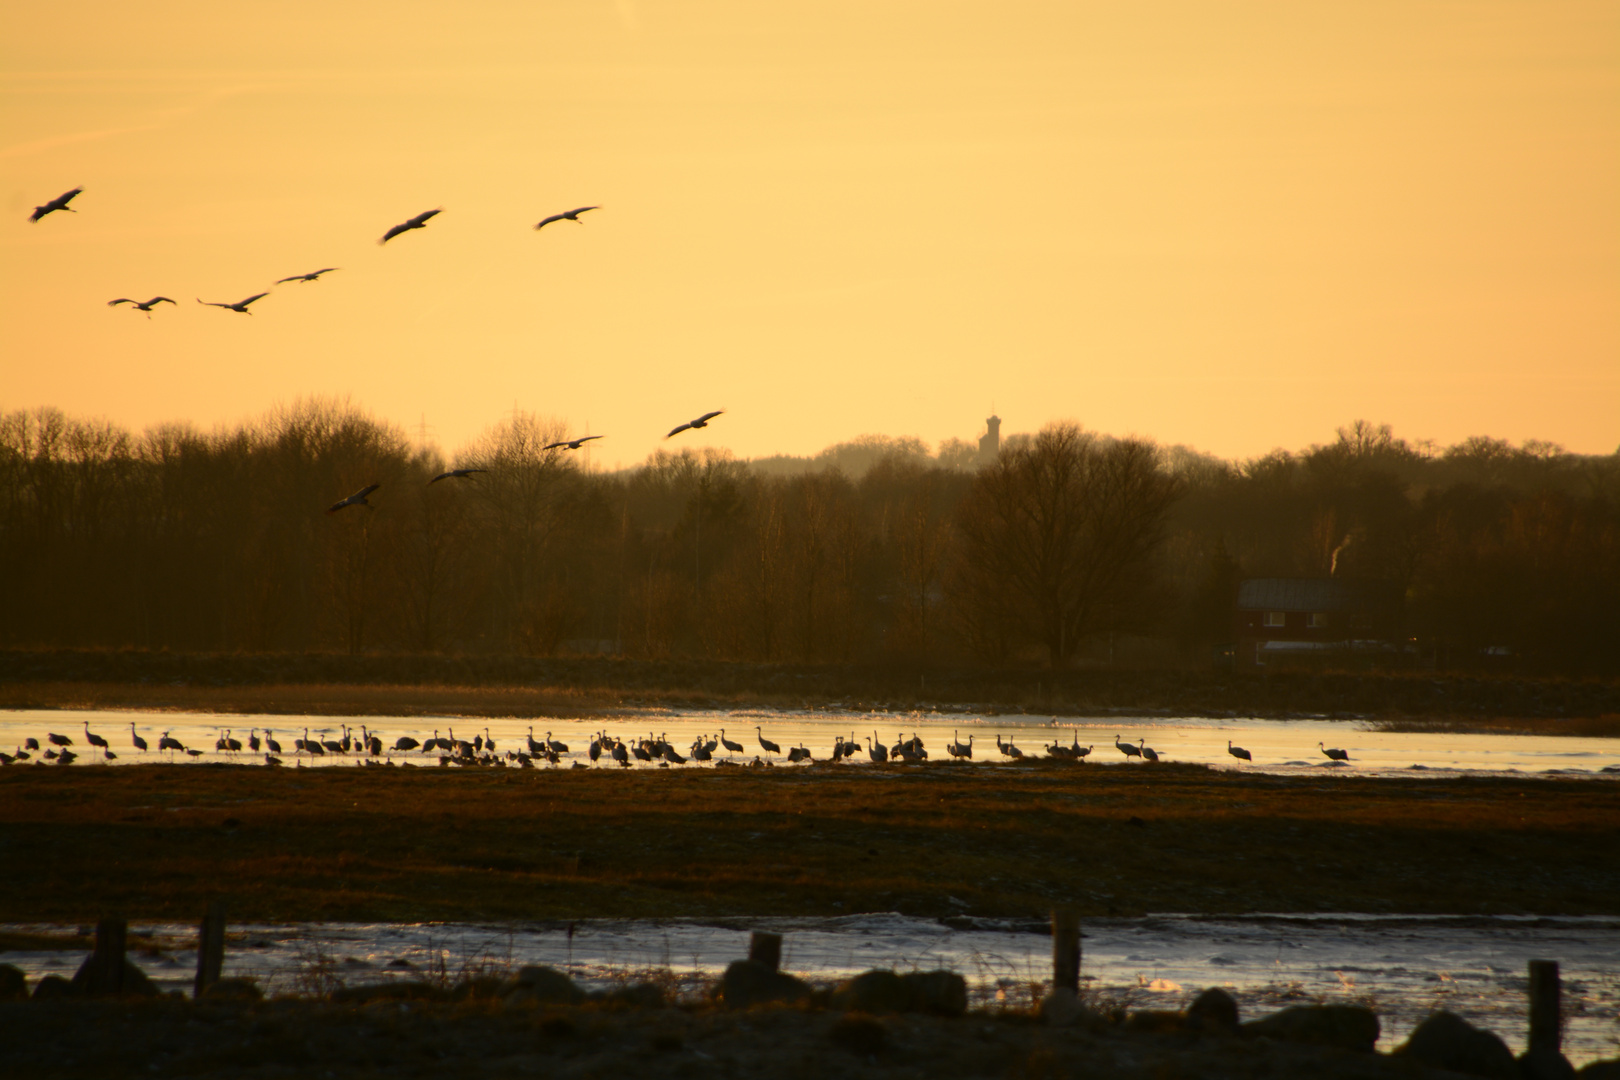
point(1235, 226)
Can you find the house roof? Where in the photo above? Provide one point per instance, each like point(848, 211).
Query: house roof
point(1296, 594)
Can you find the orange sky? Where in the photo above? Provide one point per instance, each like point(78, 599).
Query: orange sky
point(1235, 226)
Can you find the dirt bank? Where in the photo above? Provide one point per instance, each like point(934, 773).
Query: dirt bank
point(521, 686)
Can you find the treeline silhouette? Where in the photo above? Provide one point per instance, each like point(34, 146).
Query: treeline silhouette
point(1068, 548)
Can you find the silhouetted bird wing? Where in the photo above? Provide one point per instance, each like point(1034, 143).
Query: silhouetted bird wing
point(210, 303)
point(706, 417)
point(566, 215)
point(159, 300)
point(553, 446)
point(577, 443)
point(414, 223)
point(677, 431)
point(58, 203)
point(123, 300)
point(357, 497)
point(249, 300)
point(313, 275)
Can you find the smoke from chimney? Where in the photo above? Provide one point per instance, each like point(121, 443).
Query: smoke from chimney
point(1333, 565)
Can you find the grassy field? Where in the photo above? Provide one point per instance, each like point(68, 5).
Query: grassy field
point(156, 842)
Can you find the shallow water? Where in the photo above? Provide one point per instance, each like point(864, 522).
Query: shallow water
point(1276, 746)
point(1402, 966)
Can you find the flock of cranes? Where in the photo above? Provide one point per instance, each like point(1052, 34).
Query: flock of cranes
point(420, 221)
point(368, 746)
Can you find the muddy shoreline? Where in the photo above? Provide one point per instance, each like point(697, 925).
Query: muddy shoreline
point(329, 684)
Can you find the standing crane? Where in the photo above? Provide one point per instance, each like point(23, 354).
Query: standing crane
point(1332, 752)
point(1126, 748)
point(1238, 751)
point(730, 745)
point(1147, 752)
point(134, 737)
point(766, 744)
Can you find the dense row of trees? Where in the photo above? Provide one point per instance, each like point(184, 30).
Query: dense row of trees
point(1068, 547)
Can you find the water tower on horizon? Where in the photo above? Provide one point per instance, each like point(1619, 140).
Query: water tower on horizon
point(990, 441)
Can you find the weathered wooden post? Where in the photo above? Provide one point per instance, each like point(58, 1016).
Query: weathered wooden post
point(1066, 949)
point(210, 948)
point(1545, 1037)
point(765, 949)
point(107, 965)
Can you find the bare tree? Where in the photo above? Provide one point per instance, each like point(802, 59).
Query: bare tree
point(1056, 541)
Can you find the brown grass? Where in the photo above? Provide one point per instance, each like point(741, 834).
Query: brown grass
point(155, 842)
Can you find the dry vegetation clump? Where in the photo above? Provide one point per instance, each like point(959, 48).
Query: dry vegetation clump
point(417, 844)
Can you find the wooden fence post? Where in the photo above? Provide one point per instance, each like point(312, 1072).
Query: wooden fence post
point(1545, 992)
point(1066, 949)
point(765, 949)
point(210, 948)
point(112, 936)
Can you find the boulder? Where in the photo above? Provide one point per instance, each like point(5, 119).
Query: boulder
point(1545, 1065)
point(52, 986)
point(1447, 1041)
point(1214, 1012)
point(747, 983)
point(13, 983)
point(94, 979)
point(876, 991)
point(233, 991)
point(943, 993)
point(1349, 1027)
point(544, 986)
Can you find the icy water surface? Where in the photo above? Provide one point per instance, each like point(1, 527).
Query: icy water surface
point(1402, 966)
point(1275, 746)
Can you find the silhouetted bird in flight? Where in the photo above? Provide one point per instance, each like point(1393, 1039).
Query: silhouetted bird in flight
point(357, 499)
point(314, 275)
point(240, 306)
point(146, 307)
point(418, 222)
point(573, 444)
point(568, 215)
point(58, 203)
point(702, 421)
point(458, 474)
